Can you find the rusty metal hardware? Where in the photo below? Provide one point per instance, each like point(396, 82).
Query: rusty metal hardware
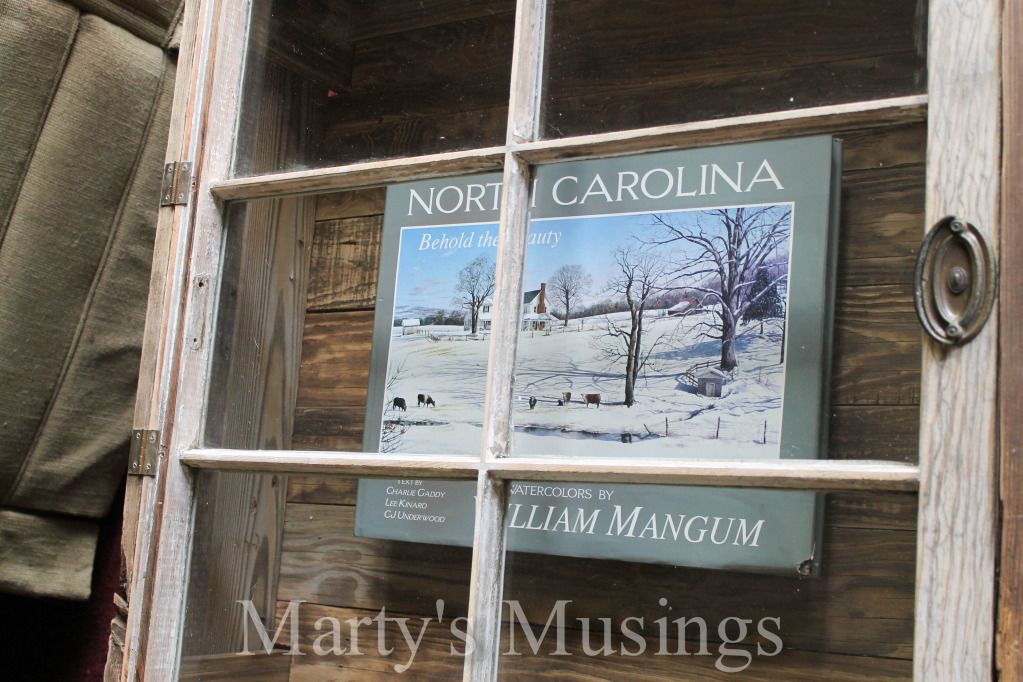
point(956, 280)
point(145, 453)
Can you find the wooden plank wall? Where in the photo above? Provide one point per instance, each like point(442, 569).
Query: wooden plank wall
point(434, 76)
point(701, 60)
point(856, 621)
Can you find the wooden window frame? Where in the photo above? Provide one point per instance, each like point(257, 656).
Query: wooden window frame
point(956, 476)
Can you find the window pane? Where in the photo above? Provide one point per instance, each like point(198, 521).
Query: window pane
point(295, 322)
point(622, 619)
point(292, 553)
point(669, 313)
point(342, 322)
point(614, 66)
point(328, 83)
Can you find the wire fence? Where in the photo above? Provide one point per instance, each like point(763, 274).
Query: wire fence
point(747, 430)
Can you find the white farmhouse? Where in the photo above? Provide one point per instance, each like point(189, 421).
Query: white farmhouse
point(534, 311)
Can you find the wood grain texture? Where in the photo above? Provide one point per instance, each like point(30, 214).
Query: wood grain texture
point(253, 386)
point(1009, 658)
point(335, 359)
point(322, 489)
point(874, 431)
point(397, 75)
point(372, 19)
point(801, 474)
point(435, 661)
point(603, 47)
point(862, 605)
point(311, 38)
point(356, 204)
point(358, 175)
point(158, 371)
point(257, 667)
point(958, 495)
point(173, 520)
point(249, 542)
point(399, 136)
point(345, 260)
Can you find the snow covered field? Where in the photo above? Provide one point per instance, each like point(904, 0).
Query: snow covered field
point(668, 418)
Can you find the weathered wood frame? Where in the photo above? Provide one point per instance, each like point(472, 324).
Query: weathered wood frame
point(957, 471)
point(1010, 380)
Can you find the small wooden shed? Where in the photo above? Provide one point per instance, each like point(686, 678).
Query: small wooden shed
point(710, 381)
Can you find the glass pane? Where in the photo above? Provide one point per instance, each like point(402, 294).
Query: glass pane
point(676, 304)
point(290, 565)
point(614, 613)
point(343, 324)
point(614, 66)
point(328, 83)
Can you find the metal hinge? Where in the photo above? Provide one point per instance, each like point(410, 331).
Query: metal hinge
point(145, 453)
point(177, 183)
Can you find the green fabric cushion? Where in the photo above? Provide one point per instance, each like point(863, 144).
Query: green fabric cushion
point(151, 20)
point(46, 557)
point(74, 215)
point(34, 42)
point(75, 465)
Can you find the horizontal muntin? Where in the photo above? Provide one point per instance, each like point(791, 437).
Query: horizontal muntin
point(772, 125)
point(794, 474)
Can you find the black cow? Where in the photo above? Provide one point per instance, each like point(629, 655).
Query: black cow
point(399, 404)
point(626, 437)
point(421, 400)
point(532, 401)
point(429, 402)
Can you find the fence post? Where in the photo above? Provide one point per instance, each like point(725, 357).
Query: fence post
point(765, 432)
point(717, 433)
point(665, 427)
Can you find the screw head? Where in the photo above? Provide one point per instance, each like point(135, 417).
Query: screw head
point(958, 280)
point(953, 331)
point(957, 226)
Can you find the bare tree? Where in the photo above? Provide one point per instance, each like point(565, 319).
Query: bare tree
point(721, 255)
point(568, 283)
point(475, 286)
point(641, 276)
point(392, 431)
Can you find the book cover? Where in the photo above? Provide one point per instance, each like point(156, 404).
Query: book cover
point(675, 304)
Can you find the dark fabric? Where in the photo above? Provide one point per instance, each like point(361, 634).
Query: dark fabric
point(56, 640)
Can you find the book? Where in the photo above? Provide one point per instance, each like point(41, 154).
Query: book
point(675, 305)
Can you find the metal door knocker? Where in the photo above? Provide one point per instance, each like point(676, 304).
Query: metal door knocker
point(955, 283)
